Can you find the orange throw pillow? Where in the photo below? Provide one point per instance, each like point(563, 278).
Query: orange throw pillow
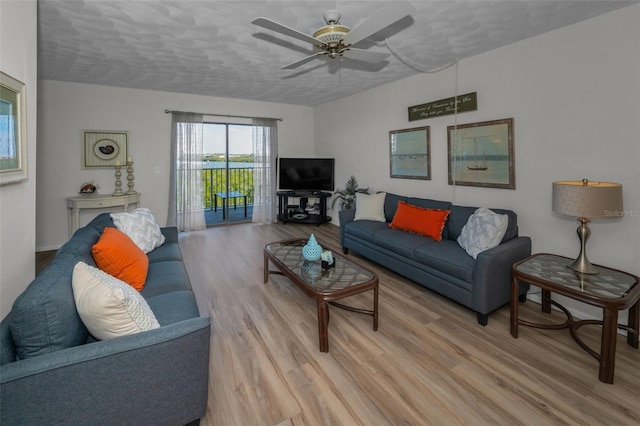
point(117, 255)
point(420, 220)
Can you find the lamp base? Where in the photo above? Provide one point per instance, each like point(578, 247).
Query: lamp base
point(584, 268)
point(582, 264)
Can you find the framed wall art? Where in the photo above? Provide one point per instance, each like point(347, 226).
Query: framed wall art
point(104, 148)
point(481, 154)
point(13, 130)
point(410, 153)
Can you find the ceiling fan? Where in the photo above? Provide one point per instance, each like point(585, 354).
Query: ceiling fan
point(335, 40)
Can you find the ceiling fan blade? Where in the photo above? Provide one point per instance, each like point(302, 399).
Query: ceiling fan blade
point(304, 61)
point(382, 18)
point(364, 55)
point(283, 29)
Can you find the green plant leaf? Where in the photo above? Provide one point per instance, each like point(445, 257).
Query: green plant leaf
point(347, 196)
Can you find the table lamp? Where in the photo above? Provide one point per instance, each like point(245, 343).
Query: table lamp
point(586, 200)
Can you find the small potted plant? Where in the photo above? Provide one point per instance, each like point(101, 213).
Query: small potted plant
point(347, 196)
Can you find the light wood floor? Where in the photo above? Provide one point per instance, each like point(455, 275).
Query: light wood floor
point(428, 363)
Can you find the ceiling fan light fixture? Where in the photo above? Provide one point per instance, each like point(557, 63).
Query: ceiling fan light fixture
point(332, 16)
point(331, 33)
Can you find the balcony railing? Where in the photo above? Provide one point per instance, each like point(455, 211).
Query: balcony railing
point(215, 180)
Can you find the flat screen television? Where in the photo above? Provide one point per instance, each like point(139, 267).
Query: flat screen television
point(306, 174)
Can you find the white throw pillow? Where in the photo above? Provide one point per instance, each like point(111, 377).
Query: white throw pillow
point(370, 207)
point(484, 230)
point(107, 306)
point(141, 227)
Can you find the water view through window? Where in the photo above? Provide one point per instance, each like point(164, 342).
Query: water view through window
point(227, 172)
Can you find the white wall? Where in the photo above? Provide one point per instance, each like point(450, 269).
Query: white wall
point(68, 108)
point(17, 201)
point(574, 94)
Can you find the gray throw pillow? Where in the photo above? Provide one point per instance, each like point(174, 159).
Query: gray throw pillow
point(484, 230)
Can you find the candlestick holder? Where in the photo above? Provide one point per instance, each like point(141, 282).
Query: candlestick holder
point(130, 178)
point(118, 190)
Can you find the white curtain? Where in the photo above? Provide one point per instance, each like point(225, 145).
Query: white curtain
point(186, 203)
point(265, 152)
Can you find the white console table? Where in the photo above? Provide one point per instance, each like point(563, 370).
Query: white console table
point(96, 201)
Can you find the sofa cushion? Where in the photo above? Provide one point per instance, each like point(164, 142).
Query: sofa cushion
point(117, 255)
point(484, 230)
point(173, 307)
point(391, 205)
point(44, 318)
point(109, 307)
point(446, 256)
point(365, 229)
point(103, 220)
point(401, 242)
point(167, 251)
point(165, 277)
point(140, 225)
point(429, 204)
point(512, 227)
point(457, 219)
point(419, 220)
point(83, 239)
point(370, 207)
point(170, 234)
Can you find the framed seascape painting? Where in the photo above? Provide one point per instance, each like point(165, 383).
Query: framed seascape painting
point(104, 148)
point(13, 130)
point(481, 154)
point(410, 153)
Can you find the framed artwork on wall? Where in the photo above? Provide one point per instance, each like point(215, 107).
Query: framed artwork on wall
point(104, 149)
point(481, 154)
point(410, 153)
point(13, 130)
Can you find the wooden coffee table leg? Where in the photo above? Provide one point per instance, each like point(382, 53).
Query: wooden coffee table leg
point(514, 307)
point(375, 308)
point(266, 268)
point(323, 325)
point(546, 301)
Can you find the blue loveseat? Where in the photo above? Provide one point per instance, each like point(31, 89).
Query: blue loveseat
point(482, 284)
point(52, 371)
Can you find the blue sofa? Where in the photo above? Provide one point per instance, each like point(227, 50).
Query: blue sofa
point(483, 284)
point(52, 371)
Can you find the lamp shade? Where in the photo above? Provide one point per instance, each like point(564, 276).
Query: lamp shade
point(594, 200)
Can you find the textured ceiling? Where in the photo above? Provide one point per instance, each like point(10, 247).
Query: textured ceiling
point(210, 47)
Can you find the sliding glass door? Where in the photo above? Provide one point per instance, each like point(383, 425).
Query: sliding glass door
point(227, 173)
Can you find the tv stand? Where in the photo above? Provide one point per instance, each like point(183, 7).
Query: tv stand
point(303, 211)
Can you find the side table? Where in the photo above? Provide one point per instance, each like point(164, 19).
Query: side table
point(224, 196)
point(611, 290)
point(96, 201)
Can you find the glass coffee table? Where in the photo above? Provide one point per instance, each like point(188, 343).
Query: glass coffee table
point(344, 279)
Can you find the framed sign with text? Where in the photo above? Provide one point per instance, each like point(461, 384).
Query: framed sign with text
point(468, 102)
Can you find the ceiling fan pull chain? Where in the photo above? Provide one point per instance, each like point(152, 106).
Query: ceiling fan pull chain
point(412, 64)
point(455, 134)
point(422, 69)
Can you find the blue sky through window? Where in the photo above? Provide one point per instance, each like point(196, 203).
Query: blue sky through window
point(239, 139)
